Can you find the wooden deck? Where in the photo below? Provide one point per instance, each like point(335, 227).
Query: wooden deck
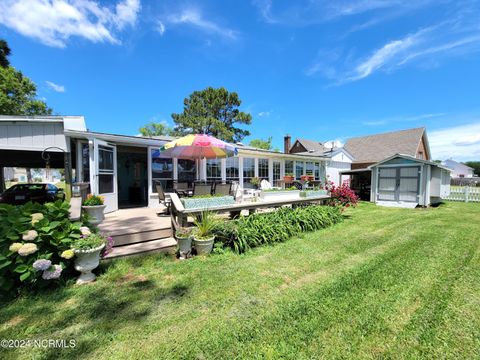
point(138, 230)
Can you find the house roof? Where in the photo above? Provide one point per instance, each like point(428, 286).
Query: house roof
point(410, 157)
point(373, 148)
point(312, 146)
point(456, 163)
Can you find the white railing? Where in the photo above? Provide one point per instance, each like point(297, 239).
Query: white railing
point(464, 193)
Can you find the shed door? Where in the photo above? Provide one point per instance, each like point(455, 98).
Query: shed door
point(398, 184)
point(106, 173)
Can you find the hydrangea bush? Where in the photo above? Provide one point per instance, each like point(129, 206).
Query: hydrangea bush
point(36, 245)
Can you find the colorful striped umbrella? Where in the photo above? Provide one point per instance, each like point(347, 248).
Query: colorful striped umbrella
point(198, 147)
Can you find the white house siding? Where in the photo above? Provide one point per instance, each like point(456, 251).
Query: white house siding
point(32, 136)
point(459, 170)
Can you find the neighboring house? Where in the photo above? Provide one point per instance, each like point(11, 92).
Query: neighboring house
point(339, 159)
point(459, 170)
point(368, 150)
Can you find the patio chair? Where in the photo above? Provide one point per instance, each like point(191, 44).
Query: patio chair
point(182, 189)
point(265, 185)
point(162, 198)
point(222, 189)
point(202, 189)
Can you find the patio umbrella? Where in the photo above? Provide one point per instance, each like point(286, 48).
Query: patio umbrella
point(198, 146)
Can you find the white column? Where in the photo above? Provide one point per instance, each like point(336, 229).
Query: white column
point(240, 171)
point(175, 169)
point(223, 163)
point(270, 171)
point(203, 169)
point(256, 167)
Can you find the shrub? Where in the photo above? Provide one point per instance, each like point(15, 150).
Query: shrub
point(37, 246)
point(32, 236)
point(278, 226)
point(342, 195)
point(93, 200)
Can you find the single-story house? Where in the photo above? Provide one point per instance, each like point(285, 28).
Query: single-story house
point(459, 170)
point(123, 168)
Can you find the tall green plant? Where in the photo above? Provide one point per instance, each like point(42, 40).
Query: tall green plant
point(205, 224)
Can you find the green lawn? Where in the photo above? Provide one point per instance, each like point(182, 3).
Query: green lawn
point(385, 283)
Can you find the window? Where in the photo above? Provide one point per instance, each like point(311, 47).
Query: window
point(299, 166)
point(309, 168)
point(317, 171)
point(420, 155)
point(85, 163)
point(289, 167)
point(162, 170)
point(105, 170)
point(248, 169)
point(263, 169)
point(214, 169)
point(276, 172)
point(186, 170)
point(232, 169)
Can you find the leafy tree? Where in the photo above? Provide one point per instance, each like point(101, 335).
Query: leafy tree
point(18, 95)
point(157, 129)
point(214, 112)
point(475, 165)
point(262, 144)
point(17, 92)
point(4, 54)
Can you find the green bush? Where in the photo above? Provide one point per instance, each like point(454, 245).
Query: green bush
point(35, 245)
point(267, 228)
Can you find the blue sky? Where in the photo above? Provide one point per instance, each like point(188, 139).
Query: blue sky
point(324, 70)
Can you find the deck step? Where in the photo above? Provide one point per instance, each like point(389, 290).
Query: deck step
point(159, 245)
point(141, 236)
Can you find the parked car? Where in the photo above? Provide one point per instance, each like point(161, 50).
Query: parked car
point(20, 194)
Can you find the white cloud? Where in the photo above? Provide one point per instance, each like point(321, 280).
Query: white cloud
point(308, 12)
point(264, 114)
point(54, 22)
point(461, 142)
point(195, 18)
point(160, 27)
point(450, 38)
point(55, 87)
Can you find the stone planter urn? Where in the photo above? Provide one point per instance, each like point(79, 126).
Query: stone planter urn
point(95, 213)
point(85, 262)
point(203, 246)
point(184, 246)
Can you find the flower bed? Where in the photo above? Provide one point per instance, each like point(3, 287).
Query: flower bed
point(313, 193)
point(280, 225)
point(207, 202)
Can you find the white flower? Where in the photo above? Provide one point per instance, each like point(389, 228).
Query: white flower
point(36, 218)
point(30, 235)
point(27, 249)
point(15, 247)
point(85, 231)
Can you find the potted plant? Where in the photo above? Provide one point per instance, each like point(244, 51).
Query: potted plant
point(95, 208)
point(288, 178)
point(203, 236)
point(87, 255)
point(256, 182)
point(184, 241)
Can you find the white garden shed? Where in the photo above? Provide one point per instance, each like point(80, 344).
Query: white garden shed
point(406, 181)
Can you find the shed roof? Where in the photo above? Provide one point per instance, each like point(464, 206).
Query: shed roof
point(373, 148)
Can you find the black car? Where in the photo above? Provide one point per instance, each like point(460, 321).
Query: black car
point(39, 192)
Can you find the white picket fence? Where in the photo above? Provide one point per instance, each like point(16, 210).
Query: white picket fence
point(464, 193)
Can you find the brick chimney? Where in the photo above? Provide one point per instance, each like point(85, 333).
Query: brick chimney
point(287, 144)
